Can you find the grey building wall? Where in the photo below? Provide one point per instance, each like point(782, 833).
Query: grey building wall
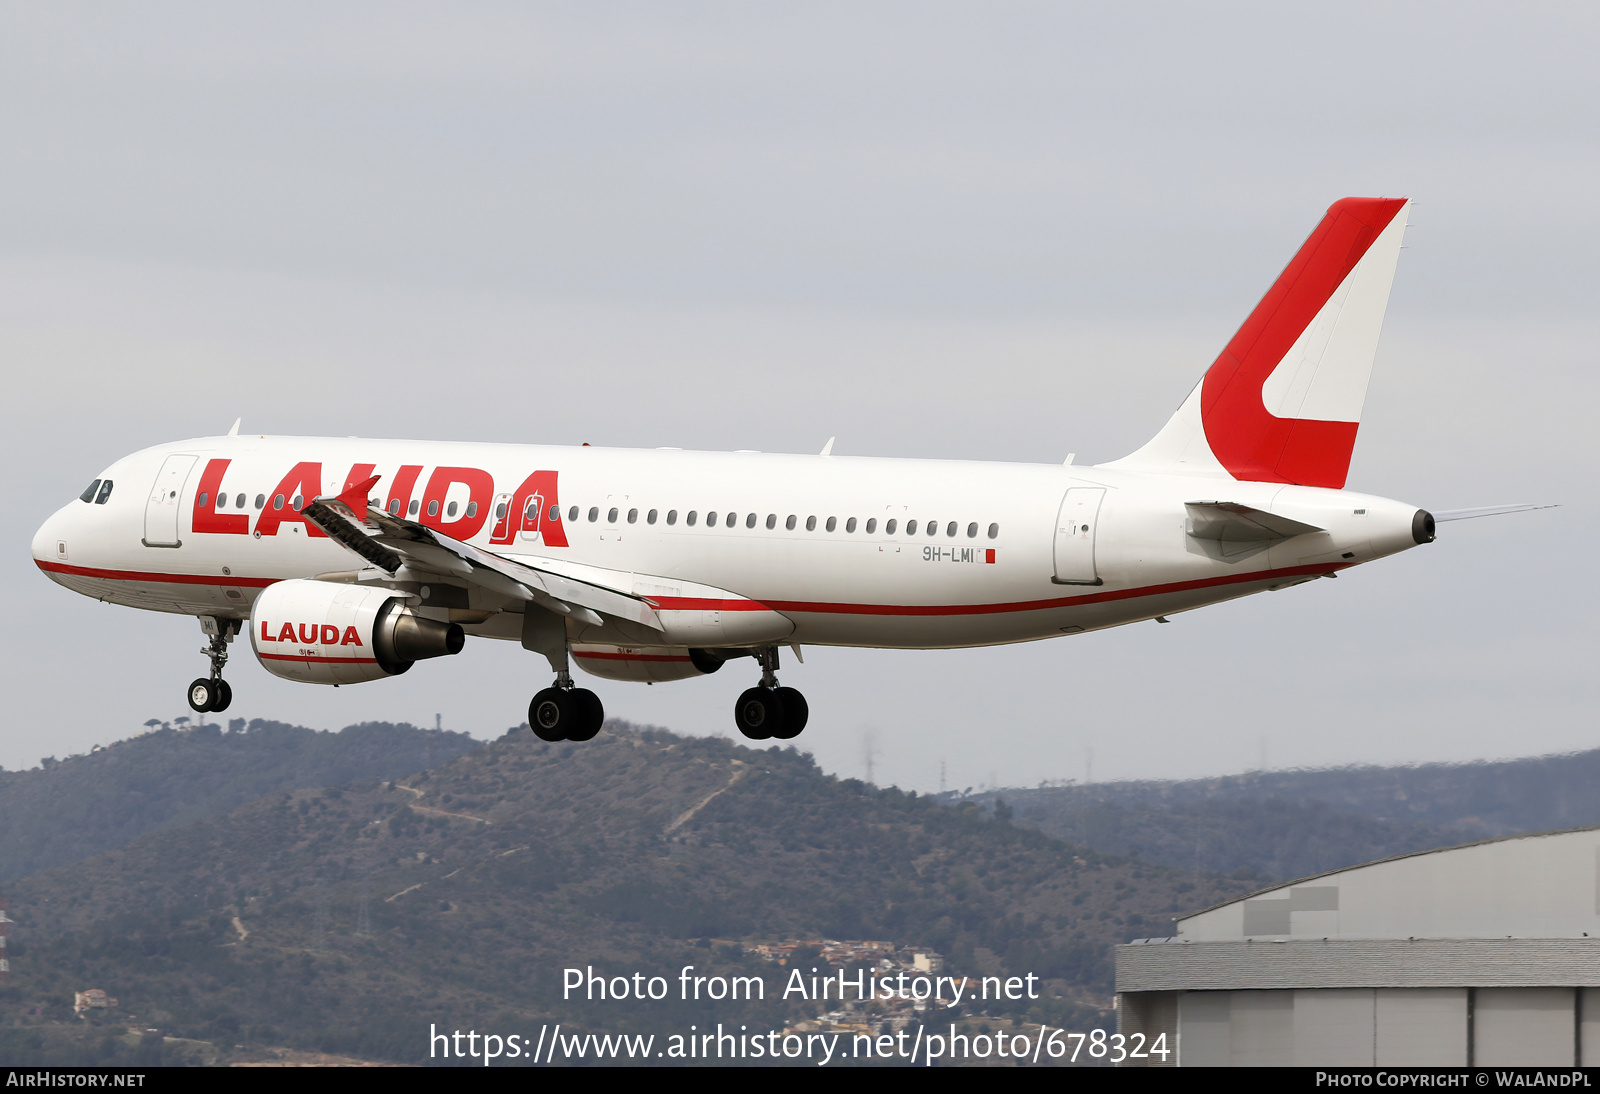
point(1370, 1027)
point(1484, 955)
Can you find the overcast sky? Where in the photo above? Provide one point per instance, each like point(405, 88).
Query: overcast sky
point(980, 231)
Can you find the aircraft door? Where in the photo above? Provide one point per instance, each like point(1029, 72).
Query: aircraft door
point(161, 511)
point(1075, 529)
point(532, 518)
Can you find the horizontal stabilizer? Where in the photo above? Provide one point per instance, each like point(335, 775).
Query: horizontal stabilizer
point(1231, 522)
point(1489, 511)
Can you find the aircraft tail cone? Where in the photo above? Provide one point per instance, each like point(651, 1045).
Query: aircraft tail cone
point(1422, 526)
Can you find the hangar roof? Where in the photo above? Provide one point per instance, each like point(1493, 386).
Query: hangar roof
point(1544, 885)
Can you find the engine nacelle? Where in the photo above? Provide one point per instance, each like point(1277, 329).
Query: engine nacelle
point(643, 664)
point(319, 632)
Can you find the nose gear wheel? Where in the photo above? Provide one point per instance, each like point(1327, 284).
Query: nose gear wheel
point(211, 695)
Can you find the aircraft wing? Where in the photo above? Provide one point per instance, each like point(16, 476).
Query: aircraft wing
point(390, 542)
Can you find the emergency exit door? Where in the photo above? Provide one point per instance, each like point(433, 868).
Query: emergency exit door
point(1075, 528)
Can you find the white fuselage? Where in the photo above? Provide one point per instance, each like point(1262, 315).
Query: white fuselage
point(987, 574)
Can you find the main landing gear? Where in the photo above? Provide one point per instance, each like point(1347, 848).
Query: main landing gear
point(211, 695)
point(564, 712)
point(768, 711)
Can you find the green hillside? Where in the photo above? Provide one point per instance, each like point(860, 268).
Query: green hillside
point(1248, 837)
point(1289, 824)
point(348, 920)
point(67, 810)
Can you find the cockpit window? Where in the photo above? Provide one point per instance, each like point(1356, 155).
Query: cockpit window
point(105, 492)
point(88, 495)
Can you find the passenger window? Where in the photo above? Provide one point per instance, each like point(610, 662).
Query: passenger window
point(672, 516)
point(394, 507)
point(555, 514)
point(911, 527)
point(277, 501)
point(222, 501)
point(611, 516)
point(711, 519)
point(772, 521)
point(633, 516)
point(811, 524)
point(594, 513)
point(972, 530)
point(433, 508)
point(833, 522)
point(261, 501)
point(850, 525)
point(202, 501)
point(689, 520)
point(500, 511)
point(888, 529)
point(789, 524)
point(994, 530)
point(472, 509)
point(416, 505)
point(872, 525)
point(238, 502)
point(450, 510)
point(88, 495)
point(650, 517)
point(950, 529)
point(750, 521)
point(572, 513)
point(932, 527)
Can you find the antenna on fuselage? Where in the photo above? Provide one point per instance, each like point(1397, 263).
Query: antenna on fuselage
point(234, 432)
point(827, 449)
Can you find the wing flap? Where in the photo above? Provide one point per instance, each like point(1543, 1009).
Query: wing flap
point(390, 542)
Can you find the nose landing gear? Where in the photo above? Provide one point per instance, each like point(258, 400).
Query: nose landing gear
point(767, 711)
point(212, 695)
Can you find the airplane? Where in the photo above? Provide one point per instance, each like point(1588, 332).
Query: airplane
point(348, 560)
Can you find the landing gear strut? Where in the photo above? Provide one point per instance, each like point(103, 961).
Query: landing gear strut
point(560, 712)
point(211, 695)
point(768, 711)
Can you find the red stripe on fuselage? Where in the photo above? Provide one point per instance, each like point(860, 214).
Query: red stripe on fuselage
point(172, 579)
point(811, 607)
point(689, 603)
point(704, 604)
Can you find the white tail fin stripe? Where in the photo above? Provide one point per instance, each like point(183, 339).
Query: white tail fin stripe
point(1324, 375)
point(1283, 400)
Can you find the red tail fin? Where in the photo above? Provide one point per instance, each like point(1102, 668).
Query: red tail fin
point(1283, 401)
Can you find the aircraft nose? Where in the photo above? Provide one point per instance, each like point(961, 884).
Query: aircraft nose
point(50, 542)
